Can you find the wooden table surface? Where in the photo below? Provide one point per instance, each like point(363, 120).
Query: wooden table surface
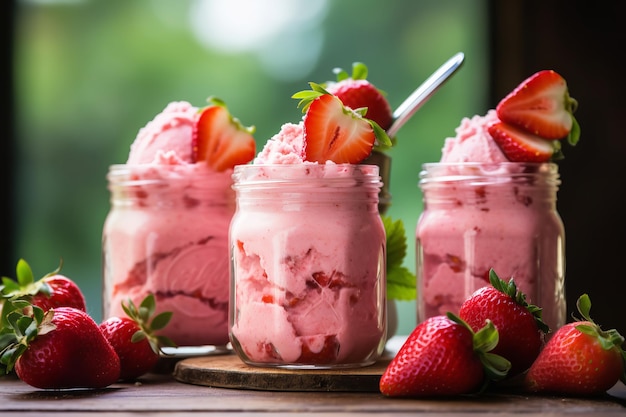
point(164, 394)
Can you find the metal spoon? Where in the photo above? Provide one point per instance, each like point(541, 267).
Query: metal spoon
point(404, 112)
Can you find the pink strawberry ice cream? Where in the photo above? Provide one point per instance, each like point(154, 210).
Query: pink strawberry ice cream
point(308, 246)
point(482, 212)
point(167, 231)
point(169, 132)
point(472, 142)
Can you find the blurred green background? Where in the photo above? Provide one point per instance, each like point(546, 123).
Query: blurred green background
point(90, 73)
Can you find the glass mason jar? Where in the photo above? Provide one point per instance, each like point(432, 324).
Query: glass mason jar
point(482, 216)
point(167, 234)
point(308, 282)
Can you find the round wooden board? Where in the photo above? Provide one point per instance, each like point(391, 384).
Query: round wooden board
point(228, 371)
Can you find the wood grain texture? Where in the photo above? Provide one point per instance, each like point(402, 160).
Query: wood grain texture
point(230, 372)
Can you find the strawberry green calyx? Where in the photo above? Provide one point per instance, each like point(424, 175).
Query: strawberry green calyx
point(25, 284)
point(571, 104)
point(608, 339)
point(510, 289)
point(306, 97)
point(359, 72)
point(148, 323)
point(485, 340)
point(216, 101)
point(20, 330)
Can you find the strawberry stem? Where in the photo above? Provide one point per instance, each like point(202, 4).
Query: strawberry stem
point(510, 289)
point(608, 339)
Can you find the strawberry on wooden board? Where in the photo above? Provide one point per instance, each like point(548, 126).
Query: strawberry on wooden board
point(541, 105)
point(355, 91)
point(519, 324)
point(579, 359)
point(61, 348)
point(53, 290)
point(444, 357)
point(333, 132)
point(521, 146)
point(220, 139)
point(133, 337)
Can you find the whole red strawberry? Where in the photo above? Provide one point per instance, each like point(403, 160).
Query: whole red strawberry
point(133, 337)
point(53, 290)
point(519, 324)
point(579, 359)
point(57, 349)
point(443, 357)
point(356, 92)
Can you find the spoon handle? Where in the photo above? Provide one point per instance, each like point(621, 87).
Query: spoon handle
point(422, 93)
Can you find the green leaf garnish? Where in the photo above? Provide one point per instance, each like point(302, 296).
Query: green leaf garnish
point(401, 283)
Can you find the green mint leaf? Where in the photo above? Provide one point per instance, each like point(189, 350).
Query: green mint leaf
point(401, 283)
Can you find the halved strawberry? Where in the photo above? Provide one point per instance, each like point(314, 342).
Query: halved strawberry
point(355, 91)
point(521, 146)
point(542, 106)
point(220, 139)
point(333, 132)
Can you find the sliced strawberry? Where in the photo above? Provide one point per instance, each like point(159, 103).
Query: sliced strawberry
point(220, 139)
point(542, 106)
point(328, 353)
point(355, 91)
point(335, 133)
point(521, 146)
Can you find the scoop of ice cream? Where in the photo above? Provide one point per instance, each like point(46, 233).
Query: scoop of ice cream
point(472, 142)
point(169, 132)
point(285, 147)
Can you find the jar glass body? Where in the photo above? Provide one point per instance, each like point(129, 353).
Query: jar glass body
point(308, 281)
point(482, 216)
point(167, 234)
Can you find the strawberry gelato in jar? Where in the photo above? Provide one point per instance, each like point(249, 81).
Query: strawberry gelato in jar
point(479, 216)
point(308, 263)
point(490, 203)
point(166, 233)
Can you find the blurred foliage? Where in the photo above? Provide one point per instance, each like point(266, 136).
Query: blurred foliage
point(90, 73)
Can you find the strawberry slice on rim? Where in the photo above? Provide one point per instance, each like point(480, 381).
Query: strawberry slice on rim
point(541, 105)
point(520, 146)
point(220, 139)
point(334, 132)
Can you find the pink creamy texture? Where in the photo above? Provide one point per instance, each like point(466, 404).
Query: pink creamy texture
point(510, 226)
point(306, 288)
point(172, 240)
point(170, 131)
point(286, 147)
point(472, 142)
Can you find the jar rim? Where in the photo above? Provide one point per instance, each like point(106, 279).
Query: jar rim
point(481, 173)
point(305, 173)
